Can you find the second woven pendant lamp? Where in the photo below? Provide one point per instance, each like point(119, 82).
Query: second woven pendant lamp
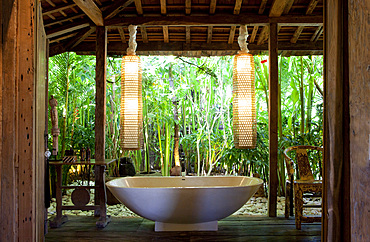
point(244, 102)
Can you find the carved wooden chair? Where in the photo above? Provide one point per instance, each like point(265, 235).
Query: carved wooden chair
point(302, 183)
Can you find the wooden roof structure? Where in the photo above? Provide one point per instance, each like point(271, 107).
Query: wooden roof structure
point(184, 27)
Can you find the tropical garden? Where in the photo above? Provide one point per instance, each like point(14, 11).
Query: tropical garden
point(193, 96)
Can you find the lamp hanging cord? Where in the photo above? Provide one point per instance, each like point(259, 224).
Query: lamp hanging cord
point(242, 39)
point(132, 41)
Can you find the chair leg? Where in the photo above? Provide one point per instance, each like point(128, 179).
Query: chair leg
point(287, 200)
point(298, 205)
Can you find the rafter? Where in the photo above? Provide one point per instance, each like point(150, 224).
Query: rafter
point(188, 33)
point(238, 6)
point(264, 35)
point(62, 20)
point(262, 6)
point(122, 34)
point(62, 38)
point(187, 7)
point(311, 6)
point(91, 10)
point(67, 28)
point(80, 37)
point(165, 34)
point(116, 7)
point(212, 6)
point(139, 7)
point(296, 34)
point(277, 8)
point(163, 7)
point(254, 34)
point(317, 31)
point(209, 34)
point(144, 34)
point(57, 9)
point(231, 35)
point(288, 6)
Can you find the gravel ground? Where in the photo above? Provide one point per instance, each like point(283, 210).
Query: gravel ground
point(255, 206)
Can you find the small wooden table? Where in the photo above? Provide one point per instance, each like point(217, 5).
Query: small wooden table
point(99, 207)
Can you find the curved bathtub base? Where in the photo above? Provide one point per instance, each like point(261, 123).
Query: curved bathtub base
point(207, 226)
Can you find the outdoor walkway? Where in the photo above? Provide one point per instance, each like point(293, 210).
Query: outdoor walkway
point(233, 228)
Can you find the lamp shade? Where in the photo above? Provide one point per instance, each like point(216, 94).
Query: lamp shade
point(131, 122)
point(244, 103)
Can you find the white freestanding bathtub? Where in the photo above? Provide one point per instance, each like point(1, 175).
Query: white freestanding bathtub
point(184, 203)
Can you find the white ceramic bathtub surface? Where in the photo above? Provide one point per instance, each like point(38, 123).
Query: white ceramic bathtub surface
point(184, 203)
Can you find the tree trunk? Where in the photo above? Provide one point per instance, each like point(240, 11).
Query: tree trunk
point(176, 120)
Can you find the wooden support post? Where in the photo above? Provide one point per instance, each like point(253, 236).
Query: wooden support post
point(100, 109)
point(273, 120)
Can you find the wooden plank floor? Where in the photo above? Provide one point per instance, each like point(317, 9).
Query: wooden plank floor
point(233, 228)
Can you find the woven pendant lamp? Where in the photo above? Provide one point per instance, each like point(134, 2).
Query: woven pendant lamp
point(131, 122)
point(244, 103)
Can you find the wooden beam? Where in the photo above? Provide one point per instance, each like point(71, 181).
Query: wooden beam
point(158, 46)
point(163, 7)
point(81, 37)
point(273, 119)
point(139, 7)
point(212, 6)
point(165, 34)
point(67, 28)
point(231, 35)
point(263, 35)
point(116, 7)
point(187, 7)
point(311, 6)
point(262, 6)
point(91, 10)
point(216, 20)
point(188, 34)
point(277, 8)
point(100, 106)
point(62, 20)
point(254, 33)
point(288, 6)
point(62, 38)
point(58, 8)
point(144, 34)
point(316, 34)
point(238, 6)
point(296, 34)
point(209, 34)
point(122, 34)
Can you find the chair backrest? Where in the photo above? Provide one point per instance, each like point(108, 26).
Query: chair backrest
point(302, 161)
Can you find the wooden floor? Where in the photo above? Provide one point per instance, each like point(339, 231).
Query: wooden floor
point(233, 228)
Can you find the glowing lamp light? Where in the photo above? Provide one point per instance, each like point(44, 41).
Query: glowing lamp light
point(131, 122)
point(244, 103)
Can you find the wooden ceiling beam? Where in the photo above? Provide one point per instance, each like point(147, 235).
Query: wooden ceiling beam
point(288, 6)
point(188, 7)
point(296, 34)
point(231, 35)
point(116, 7)
point(262, 6)
point(163, 7)
point(122, 34)
point(188, 33)
point(212, 6)
point(165, 34)
point(91, 10)
point(311, 6)
point(313, 38)
point(80, 37)
point(209, 34)
point(117, 46)
point(277, 8)
point(264, 35)
point(62, 38)
point(57, 9)
point(254, 34)
point(67, 28)
point(238, 6)
point(144, 34)
point(139, 7)
point(216, 20)
point(62, 20)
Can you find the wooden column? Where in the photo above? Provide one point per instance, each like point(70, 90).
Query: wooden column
point(273, 119)
point(100, 109)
